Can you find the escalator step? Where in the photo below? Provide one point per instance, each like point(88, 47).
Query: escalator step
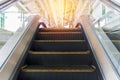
point(58, 73)
point(60, 36)
point(59, 45)
point(113, 41)
point(60, 33)
point(34, 52)
point(59, 30)
point(59, 40)
point(59, 58)
point(56, 68)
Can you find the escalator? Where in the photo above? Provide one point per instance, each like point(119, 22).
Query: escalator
point(114, 36)
point(59, 54)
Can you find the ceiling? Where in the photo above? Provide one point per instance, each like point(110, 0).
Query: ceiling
point(58, 13)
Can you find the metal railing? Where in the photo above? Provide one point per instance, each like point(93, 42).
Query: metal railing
point(14, 50)
point(113, 26)
point(106, 67)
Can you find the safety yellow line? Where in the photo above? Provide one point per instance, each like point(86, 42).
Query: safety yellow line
point(35, 52)
point(59, 70)
point(112, 32)
point(25, 66)
point(60, 32)
point(59, 40)
point(60, 29)
point(114, 40)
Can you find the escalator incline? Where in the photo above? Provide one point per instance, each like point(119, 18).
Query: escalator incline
point(59, 54)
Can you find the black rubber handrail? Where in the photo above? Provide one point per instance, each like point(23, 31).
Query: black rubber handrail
point(43, 24)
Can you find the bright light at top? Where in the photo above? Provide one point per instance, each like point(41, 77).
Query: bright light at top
point(59, 12)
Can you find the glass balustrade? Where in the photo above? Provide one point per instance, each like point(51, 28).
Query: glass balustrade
point(107, 29)
point(13, 22)
point(116, 1)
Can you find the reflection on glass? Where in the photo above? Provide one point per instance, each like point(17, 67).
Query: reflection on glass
point(1, 1)
point(116, 1)
point(13, 23)
point(108, 30)
point(10, 21)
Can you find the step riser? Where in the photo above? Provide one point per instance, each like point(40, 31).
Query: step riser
point(60, 37)
point(78, 59)
point(59, 46)
point(59, 76)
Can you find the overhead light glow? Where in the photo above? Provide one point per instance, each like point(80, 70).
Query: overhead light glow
point(60, 13)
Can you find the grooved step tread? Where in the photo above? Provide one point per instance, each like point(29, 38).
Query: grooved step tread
point(67, 68)
point(37, 52)
point(59, 40)
point(60, 32)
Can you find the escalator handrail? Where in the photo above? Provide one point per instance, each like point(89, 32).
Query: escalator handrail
point(99, 52)
point(17, 49)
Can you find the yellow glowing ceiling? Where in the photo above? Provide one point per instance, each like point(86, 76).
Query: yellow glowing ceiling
point(57, 12)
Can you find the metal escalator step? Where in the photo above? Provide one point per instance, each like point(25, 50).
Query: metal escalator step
point(112, 32)
point(115, 40)
point(112, 40)
point(60, 32)
point(58, 29)
point(38, 52)
point(59, 45)
point(59, 40)
point(58, 58)
point(74, 68)
point(60, 36)
point(75, 72)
